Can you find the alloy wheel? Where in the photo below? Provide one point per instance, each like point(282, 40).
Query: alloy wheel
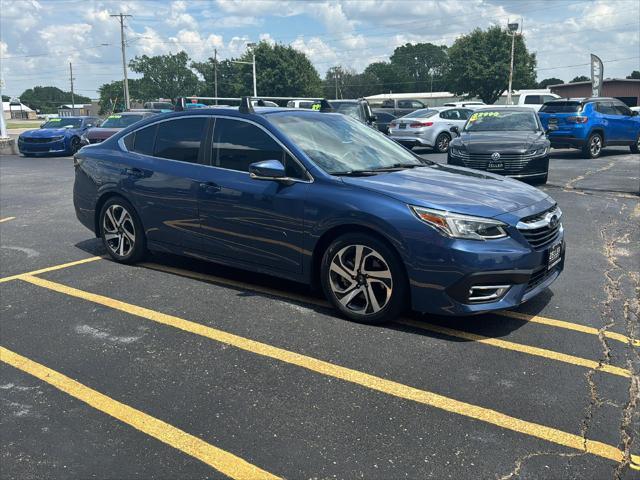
point(443, 143)
point(119, 230)
point(360, 279)
point(596, 145)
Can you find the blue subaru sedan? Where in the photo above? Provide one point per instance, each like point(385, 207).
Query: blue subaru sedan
point(58, 136)
point(320, 198)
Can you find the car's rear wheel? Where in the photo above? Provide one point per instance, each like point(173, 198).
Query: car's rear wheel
point(442, 143)
point(364, 279)
point(593, 147)
point(121, 231)
point(635, 147)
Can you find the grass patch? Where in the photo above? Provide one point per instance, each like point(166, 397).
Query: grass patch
point(11, 124)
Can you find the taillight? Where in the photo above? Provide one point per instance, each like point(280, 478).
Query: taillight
point(421, 124)
point(577, 119)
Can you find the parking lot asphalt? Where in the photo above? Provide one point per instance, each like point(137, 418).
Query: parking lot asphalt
point(176, 368)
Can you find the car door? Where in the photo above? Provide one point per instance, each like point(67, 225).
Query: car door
point(628, 126)
point(162, 178)
point(611, 121)
point(258, 222)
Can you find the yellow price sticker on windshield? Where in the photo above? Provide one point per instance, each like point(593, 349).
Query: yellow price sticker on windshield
point(55, 120)
point(315, 106)
point(115, 116)
point(478, 115)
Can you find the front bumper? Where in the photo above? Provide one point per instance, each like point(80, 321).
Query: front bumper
point(442, 285)
point(34, 148)
point(534, 168)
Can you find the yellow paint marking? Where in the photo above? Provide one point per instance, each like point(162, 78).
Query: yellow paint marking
point(366, 380)
point(221, 460)
point(517, 347)
point(569, 326)
point(50, 269)
point(6, 219)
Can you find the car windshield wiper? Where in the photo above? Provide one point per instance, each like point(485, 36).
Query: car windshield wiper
point(398, 166)
point(356, 173)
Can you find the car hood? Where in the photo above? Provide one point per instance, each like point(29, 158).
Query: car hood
point(101, 133)
point(49, 132)
point(455, 189)
point(501, 142)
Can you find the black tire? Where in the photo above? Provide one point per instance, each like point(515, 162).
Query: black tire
point(635, 147)
point(117, 238)
point(76, 145)
point(442, 142)
point(593, 147)
point(369, 278)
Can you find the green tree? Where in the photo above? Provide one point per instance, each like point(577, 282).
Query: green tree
point(580, 78)
point(348, 83)
point(48, 99)
point(479, 64)
point(385, 77)
point(281, 71)
point(634, 75)
point(423, 63)
point(165, 76)
point(550, 81)
point(112, 95)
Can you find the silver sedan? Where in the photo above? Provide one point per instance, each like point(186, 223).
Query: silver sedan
point(429, 127)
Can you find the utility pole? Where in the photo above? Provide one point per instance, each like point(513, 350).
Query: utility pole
point(215, 74)
point(335, 75)
point(121, 18)
point(73, 102)
point(512, 31)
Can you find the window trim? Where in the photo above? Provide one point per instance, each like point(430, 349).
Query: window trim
point(209, 144)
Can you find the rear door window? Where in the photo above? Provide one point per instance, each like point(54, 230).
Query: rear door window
point(181, 139)
point(533, 100)
point(144, 140)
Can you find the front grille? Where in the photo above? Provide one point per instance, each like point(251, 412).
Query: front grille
point(538, 277)
point(40, 140)
point(513, 162)
point(539, 230)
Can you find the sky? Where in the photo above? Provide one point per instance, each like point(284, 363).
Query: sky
point(38, 38)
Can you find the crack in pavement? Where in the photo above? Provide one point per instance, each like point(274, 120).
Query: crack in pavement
point(520, 461)
point(569, 185)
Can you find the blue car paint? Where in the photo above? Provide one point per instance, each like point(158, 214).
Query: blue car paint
point(615, 129)
point(279, 229)
point(60, 146)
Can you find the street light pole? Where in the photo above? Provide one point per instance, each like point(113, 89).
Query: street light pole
point(73, 102)
point(253, 52)
point(512, 31)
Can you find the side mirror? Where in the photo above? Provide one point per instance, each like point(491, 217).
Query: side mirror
point(267, 170)
point(373, 118)
point(455, 130)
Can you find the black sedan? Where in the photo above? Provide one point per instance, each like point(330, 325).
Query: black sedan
point(505, 140)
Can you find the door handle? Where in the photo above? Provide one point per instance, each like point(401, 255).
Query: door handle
point(134, 172)
point(210, 187)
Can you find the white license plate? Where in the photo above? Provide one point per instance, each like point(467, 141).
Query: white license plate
point(495, 165)
point(555, 255)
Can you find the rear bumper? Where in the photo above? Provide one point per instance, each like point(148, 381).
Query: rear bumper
point(566, 141)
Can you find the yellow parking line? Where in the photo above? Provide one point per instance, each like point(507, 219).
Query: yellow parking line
point(6, 219)
point(50, 269)
point(221, 460)
point(517, 347)
point(569, 326)
point(372, 382)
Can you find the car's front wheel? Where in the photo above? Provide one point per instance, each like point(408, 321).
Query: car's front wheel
point(635, 147)
point(593, 147)
point(121, 231)
point(442, 143)
point(364, 279)
point(76, 144)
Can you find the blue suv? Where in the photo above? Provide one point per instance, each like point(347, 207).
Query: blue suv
point(590, 124)
point(320, 198)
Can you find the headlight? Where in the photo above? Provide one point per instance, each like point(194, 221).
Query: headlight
point(57, 139)
point(538, 151)
point(461, 226)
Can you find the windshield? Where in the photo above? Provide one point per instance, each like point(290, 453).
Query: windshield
point(502, 120)
point(340, 144)
point(121, 121)
point(561, 107)
point(63, 123)
point(422, 113)
point(350, 109)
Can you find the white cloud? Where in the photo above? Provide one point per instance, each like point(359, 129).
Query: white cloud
point(179, 17)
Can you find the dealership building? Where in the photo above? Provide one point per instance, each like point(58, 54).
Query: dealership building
point(625, 89)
